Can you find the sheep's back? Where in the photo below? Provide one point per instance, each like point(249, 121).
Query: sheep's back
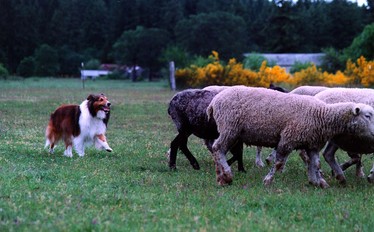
point(309, 90)
point(357, 95)
point(188, 111)
point(262, 115)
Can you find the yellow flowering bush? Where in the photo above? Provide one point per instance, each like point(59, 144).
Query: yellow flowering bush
point(361, 73)
point(233, 73)
point(268, 75)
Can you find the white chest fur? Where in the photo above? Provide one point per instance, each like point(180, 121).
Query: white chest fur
point(91, 126)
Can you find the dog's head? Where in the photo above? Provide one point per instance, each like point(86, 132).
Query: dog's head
point(97, 103)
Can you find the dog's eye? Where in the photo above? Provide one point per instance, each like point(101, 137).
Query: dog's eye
point(101, 99)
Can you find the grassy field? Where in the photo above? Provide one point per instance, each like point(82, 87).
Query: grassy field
point(132, 188)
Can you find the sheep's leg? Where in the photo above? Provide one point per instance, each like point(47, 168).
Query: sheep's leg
point(271, 157)
point(370, 177)
point(237, 152)
point(355, 159)
point(172, 153)
point(259, 162)
point(329, 155)
point(223, 170)
point(360, 169)
point(188, 154)
point(314, 173)
point(180, 141)
point(304, 156)
point(280, 161)
point(209, 144)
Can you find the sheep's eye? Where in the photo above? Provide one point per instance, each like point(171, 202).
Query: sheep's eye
point(368, 116)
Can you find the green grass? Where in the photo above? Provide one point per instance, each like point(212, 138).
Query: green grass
point(132, 188)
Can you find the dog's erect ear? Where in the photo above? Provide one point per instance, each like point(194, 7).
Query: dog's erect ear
point(90, 97)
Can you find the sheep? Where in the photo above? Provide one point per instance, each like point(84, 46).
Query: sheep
point(249, 115)
point(187, 110)
point(308, 90)
point(353, 145)
point(301, 90)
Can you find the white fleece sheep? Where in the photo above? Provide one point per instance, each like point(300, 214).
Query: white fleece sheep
point(352, 144)
point(217, 88)
point(301, 90)
point(308, 90)
point(262, 117)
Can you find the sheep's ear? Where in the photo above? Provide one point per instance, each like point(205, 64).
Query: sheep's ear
point(356, 110)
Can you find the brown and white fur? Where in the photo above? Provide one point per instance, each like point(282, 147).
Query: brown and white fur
point(80, 125)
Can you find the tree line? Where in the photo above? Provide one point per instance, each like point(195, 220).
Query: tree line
point(54, 37)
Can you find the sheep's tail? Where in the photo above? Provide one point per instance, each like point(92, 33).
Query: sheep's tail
point(209, 111)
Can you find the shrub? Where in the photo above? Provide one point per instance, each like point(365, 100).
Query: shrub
point(333, 60)
point(362, 45)
point(92, 64)
point(254, 61)
point(179, 55)
point(46, 61)
point(361, 73)
point(216, 72)
point(298, 66)
point(26, 67)
point(3, 71)
point(233, 73)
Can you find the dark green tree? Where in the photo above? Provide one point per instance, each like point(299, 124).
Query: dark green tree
point(362, 45)
point(26, 68)
point(141, 47)
point(46, 61)
point(223, 32)
point(281, 30)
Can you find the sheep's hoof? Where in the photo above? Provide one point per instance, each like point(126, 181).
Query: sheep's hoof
point(109, 150)
point(268, 180)
point(172, 167)
point(242, 170)
point(360, 174)
point(323, 184)
point(260, 164)
point(370, 179)
point(224, 179)
point(341, 179)
point(196, 166)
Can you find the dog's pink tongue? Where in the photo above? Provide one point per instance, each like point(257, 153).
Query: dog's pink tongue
point(106, 109)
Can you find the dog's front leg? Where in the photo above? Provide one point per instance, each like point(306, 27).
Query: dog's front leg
point(100, 142)
point(79, 145)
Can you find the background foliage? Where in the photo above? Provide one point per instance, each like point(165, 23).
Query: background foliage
point(95, 29)
point(356, 74)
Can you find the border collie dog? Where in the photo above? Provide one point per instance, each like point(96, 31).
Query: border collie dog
point(80, 125)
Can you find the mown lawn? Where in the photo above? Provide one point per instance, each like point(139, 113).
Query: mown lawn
point(132, 188)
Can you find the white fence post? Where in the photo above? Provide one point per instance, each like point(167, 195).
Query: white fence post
point(172, 75)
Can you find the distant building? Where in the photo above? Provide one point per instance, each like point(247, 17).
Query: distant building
point(286, 60)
